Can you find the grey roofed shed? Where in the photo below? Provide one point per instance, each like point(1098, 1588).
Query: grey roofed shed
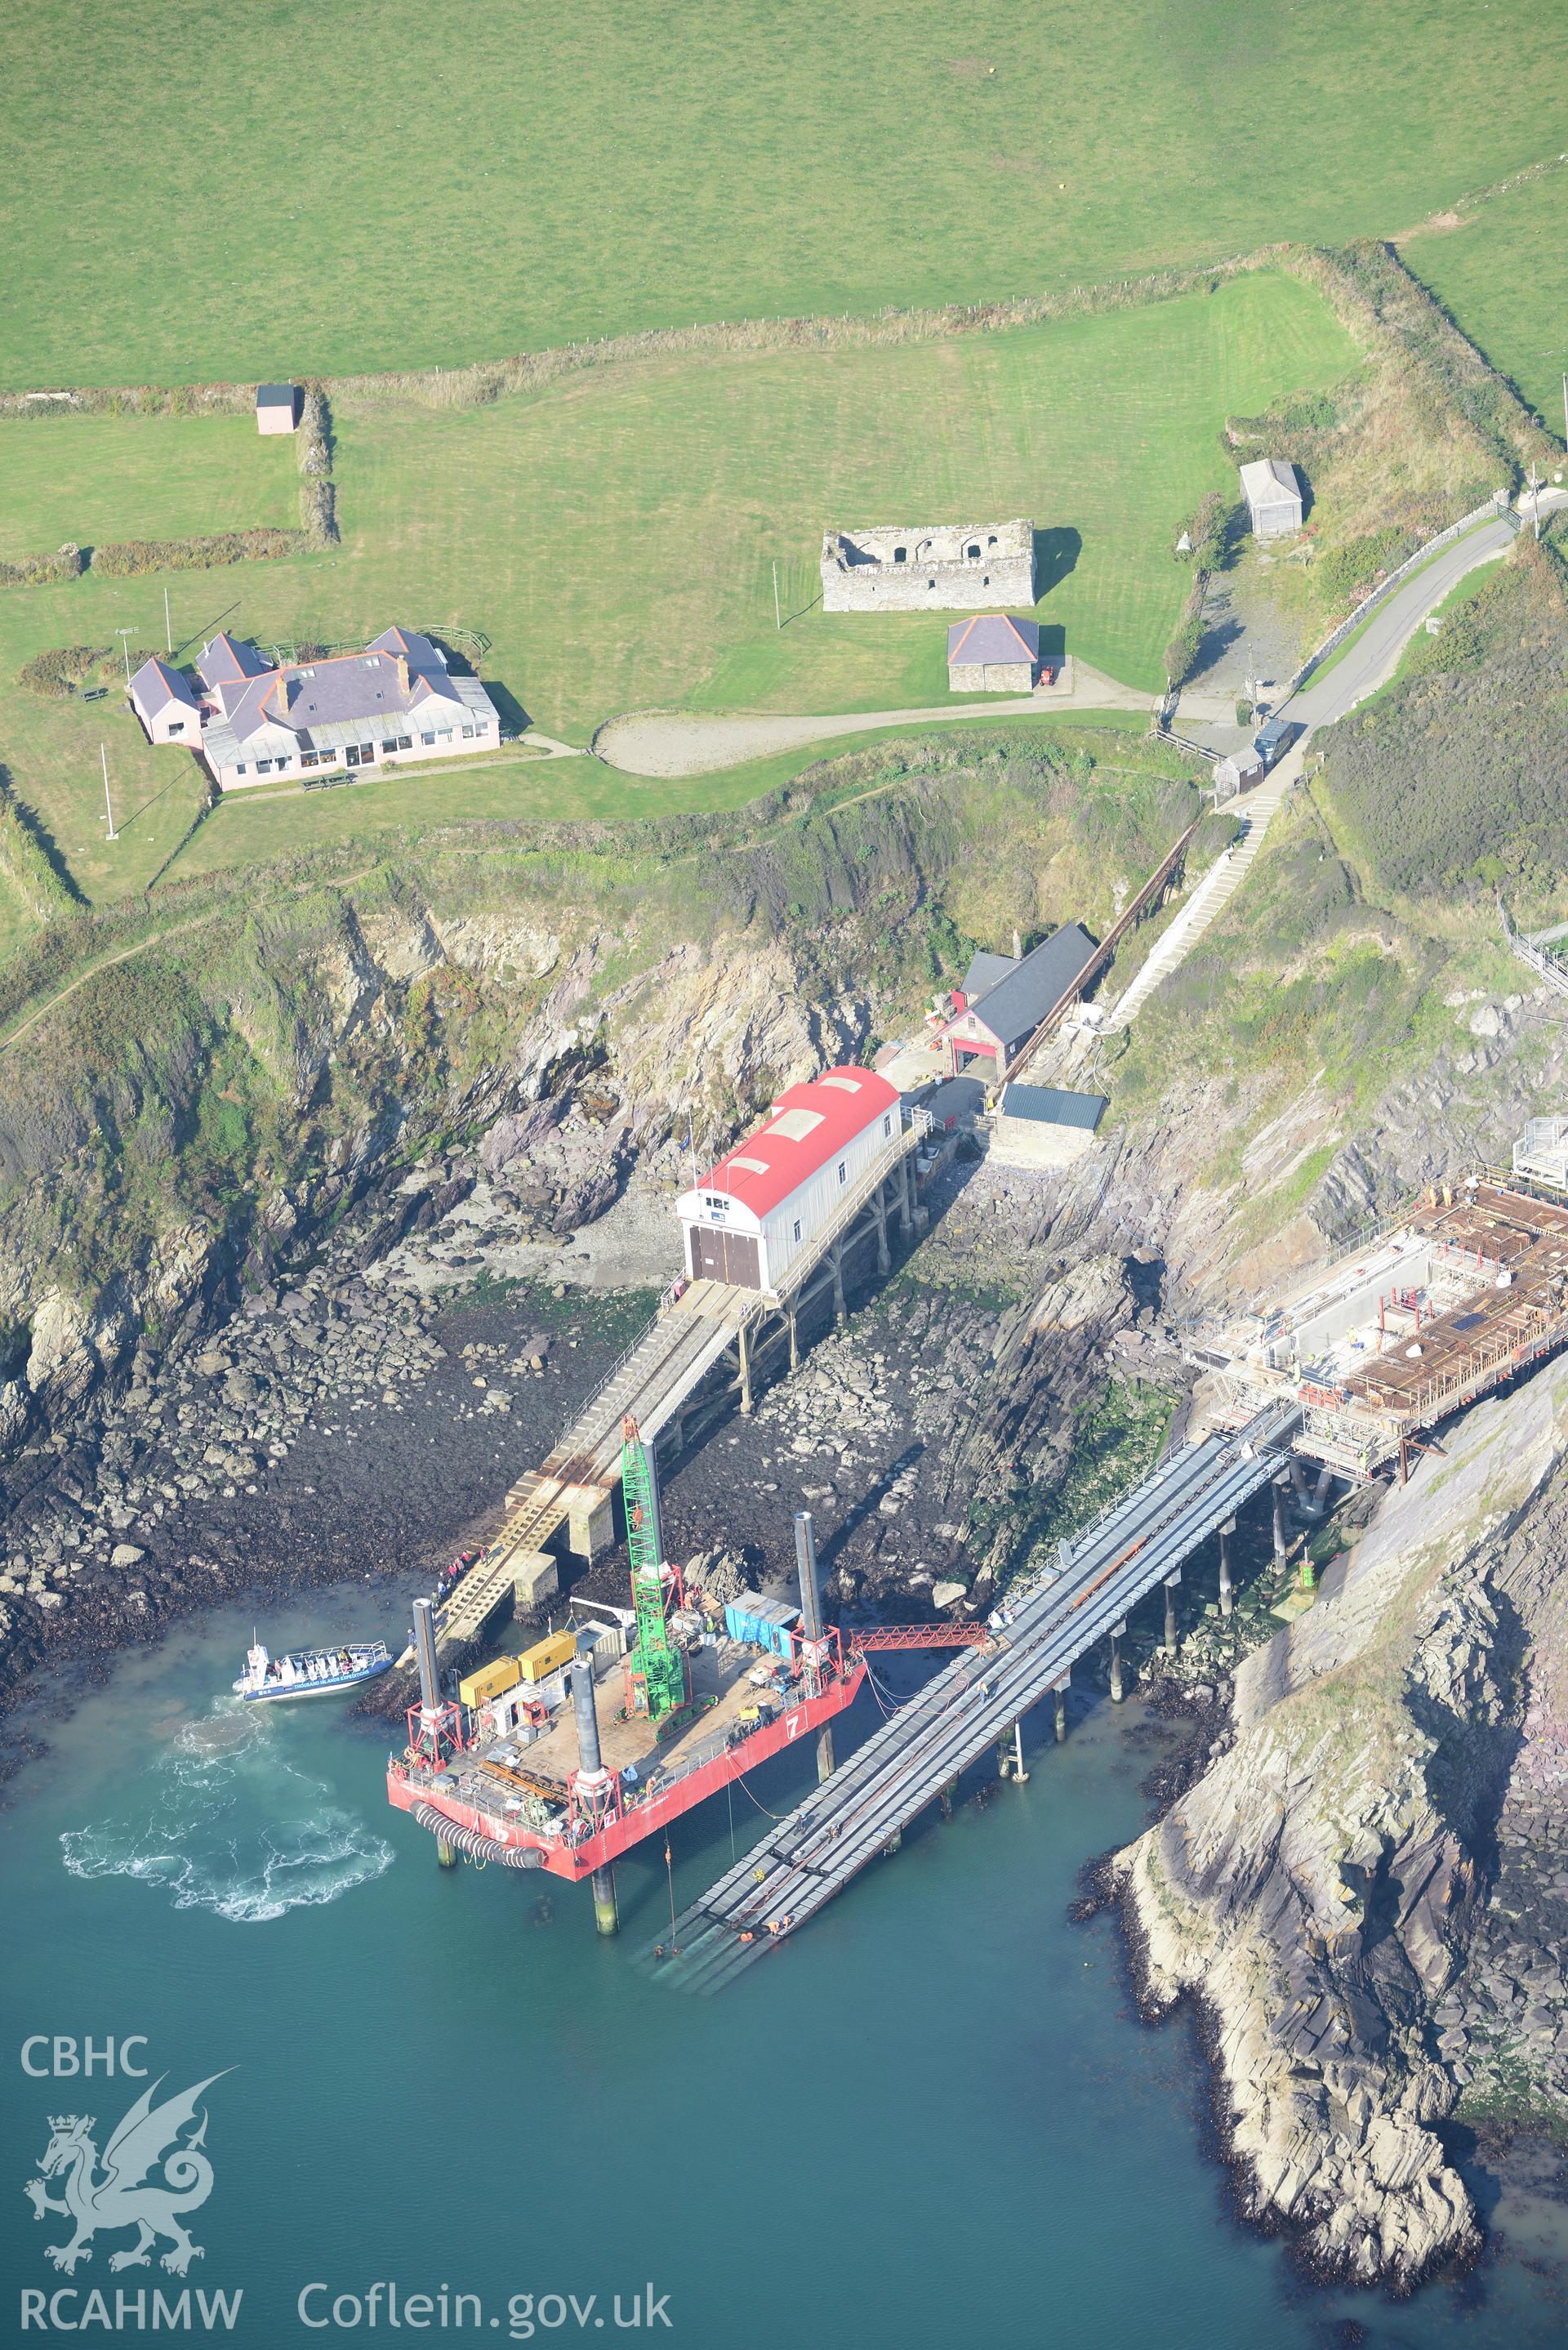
point(1052, 1106)
point(276, 395)
point(1021, 999)
point(993, 637)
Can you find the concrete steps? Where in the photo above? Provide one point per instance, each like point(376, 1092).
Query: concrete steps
point(1212, 894)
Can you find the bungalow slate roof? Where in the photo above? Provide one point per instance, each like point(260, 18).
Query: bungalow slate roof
point(1024, 995)
point(354, 689)
point(156, 684)
point(228, 660)
point(993, 637)
point(1052, 1106)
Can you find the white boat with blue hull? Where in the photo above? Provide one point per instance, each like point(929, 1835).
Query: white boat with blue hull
point(310, 1672)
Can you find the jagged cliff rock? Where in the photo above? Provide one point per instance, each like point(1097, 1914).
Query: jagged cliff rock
point(1319, 1889)
point(334, 1047)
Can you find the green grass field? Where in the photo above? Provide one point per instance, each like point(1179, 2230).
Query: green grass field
point(344, 193)
point(1504, 275)
point(98, 478)
point(615, 535)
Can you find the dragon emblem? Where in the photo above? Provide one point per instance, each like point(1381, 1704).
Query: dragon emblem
point(124, 2193)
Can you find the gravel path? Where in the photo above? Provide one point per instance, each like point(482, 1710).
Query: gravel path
point(669, 742)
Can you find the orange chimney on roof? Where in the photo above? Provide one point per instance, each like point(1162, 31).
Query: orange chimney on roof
point(403, 675)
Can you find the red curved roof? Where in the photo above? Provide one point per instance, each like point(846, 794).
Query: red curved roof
point(845, 1100)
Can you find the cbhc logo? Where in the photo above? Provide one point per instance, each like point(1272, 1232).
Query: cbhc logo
point(65, 2056)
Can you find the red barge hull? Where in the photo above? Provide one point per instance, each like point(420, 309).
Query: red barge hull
point(578, 1851)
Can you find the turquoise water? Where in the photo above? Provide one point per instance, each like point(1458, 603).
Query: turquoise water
point(931, 2120)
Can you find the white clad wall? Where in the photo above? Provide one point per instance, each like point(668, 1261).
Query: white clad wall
point(811, 1203)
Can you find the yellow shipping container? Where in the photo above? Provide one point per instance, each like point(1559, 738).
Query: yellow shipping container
point(477, 1688)
point(546, 1657)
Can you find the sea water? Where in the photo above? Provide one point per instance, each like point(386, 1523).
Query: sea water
point(931, 2120)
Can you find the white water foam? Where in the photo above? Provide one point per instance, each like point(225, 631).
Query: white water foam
point(234, 1827)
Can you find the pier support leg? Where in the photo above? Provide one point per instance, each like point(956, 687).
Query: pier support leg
point(1118, 1633)
point(794, 1339)
point(907, 1198)
point(945, 1798)
point(1019, 1772)
point(824, 1765)
point(1172, 1582)
point(895, 1843)
point(1280, 1545)
point(884, 1254)
point(1227, 1596)
point(606, 1914)
point(1299, 1488)
point(1320, 1490)
point(743, 1357)
point(1059, 1691)
point(446, 1854)
point(835, 1259)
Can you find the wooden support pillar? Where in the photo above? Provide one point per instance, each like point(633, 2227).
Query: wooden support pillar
point(743, 1357)
point(907, 1198)
point(1172, 1583)
point(1227, 1599)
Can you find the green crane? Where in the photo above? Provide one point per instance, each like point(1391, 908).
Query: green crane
point(656, 1670)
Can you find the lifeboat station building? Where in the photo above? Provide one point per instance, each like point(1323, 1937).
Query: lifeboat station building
point(768, 1206)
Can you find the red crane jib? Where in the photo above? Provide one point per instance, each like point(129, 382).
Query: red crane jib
point(919, 1635)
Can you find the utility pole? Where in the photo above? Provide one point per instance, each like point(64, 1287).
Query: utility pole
point(168, 629)
point(1533, 480)
point(108, 804)
point(778, 617)
point(1565, 410)
point(125, 636)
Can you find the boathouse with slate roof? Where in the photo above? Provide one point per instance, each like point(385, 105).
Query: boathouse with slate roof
point(998, 1023)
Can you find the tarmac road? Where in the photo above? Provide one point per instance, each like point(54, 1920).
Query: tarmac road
point(1373, 656)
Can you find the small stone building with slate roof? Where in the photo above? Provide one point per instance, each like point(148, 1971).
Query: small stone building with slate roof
point(993, 653)
point(993, 1027)
point(165, 705)
point(278, 407)
point(1043, 1126)
point(1273, 497)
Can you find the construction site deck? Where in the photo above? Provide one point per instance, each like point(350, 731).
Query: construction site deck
point(514, 1790)
point(1467, 1286)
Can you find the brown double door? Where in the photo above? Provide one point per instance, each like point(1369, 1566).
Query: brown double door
point(718, 1255)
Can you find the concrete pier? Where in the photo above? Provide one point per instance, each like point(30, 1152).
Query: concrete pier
point(1227, 1599)
point(1281, 1546)
point(1171, 1584)
point(1118, 1634)
point(1059, 1692)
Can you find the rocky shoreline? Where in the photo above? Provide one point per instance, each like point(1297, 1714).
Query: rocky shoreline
point(1329, 1897)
